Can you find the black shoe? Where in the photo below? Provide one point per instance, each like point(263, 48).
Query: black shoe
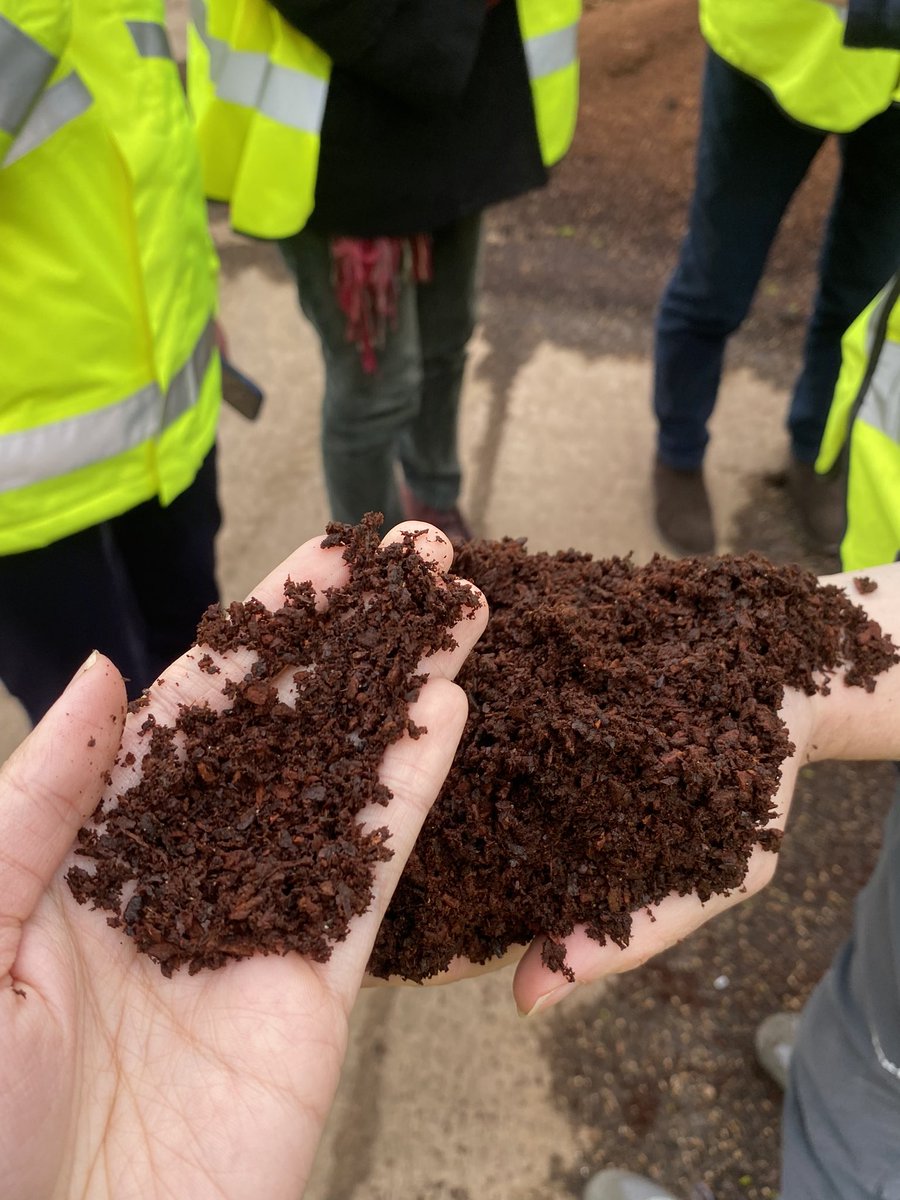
point(683, 514)
point(821, 503)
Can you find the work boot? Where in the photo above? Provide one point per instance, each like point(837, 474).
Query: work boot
point(821, 502)
point(622, 1185)
point(683, 515)
point(774, 1041)
point(449, 520)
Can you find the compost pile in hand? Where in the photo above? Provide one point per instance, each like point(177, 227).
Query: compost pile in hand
point(242, 834)
point(623, 743)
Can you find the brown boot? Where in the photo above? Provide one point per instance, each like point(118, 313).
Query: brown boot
point(821, 502)
point(449, 520)
point(683, 514)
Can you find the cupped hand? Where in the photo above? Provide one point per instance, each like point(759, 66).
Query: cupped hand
point(118, 1082)
point(844, 723)
point(536, 987)
point(847, 723)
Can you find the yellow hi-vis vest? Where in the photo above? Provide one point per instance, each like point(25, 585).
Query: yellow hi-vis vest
point(865, 413)
point(258, 89)
point(109, 376)
point(795, 48)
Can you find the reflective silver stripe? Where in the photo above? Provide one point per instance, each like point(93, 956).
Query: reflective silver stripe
point(241, 77)
point(58, 106)
point(551, 51)
point(184, 390)
point(881, 404)
point(150, 38)
point(288, 96)
point(49, 451)
point(294, 98)
point(25, 68)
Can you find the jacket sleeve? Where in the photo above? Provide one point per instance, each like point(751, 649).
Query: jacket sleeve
point(32, 37)
point(422, 51)
point(873, 24)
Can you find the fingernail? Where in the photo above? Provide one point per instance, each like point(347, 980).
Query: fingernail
point(85, 666)
point(88, 663)
point(550, 999)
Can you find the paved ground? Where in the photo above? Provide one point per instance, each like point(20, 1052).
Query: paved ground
point(448, 1095)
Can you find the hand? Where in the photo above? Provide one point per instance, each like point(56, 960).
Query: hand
point(118, 1082)
point(536, 987)
point(848, 723)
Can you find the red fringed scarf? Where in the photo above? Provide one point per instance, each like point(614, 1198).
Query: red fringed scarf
point(366, 274)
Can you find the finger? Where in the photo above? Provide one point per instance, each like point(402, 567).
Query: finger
point(325, 569)
point(414, 770)
point(49, 786)
point(431, 543)
point(434, 546)
point(536, 987)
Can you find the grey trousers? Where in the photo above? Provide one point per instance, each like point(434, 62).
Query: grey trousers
point(841, 1125)
point(405, 413)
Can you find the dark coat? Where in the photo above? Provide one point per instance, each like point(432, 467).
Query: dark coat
point(429, 115)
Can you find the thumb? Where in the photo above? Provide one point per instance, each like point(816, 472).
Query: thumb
point(49, 786)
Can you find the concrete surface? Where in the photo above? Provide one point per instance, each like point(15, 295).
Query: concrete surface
point(445, 1095)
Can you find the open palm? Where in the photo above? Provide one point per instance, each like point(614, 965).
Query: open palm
point(115, 1081)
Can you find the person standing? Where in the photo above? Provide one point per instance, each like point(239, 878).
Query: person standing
point(779, 79)
point(109, 372)
point(370, 143)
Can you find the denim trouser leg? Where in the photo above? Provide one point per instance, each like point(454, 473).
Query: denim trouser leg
point(860, 253)
point(841, 1126)
point(446, 307)
point(750, 161)
point(370, 420)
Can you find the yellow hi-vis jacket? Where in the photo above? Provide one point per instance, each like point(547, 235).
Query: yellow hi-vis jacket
point(795, 48)
point(258, 89)
point(109, 376)
point(864, 422)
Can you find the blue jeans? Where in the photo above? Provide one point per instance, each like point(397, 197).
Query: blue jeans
point(750, 160)
point(841, 1121)
point(134, 587)
point(406, 412)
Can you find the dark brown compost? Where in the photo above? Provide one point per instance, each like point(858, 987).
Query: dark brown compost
point(242, 834)
point(623, 742)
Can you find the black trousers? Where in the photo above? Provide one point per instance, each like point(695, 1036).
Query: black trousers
point(751, 158)
point(133, 587)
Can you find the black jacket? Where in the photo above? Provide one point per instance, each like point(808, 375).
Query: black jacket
point(873, 24)
point(429, 115)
